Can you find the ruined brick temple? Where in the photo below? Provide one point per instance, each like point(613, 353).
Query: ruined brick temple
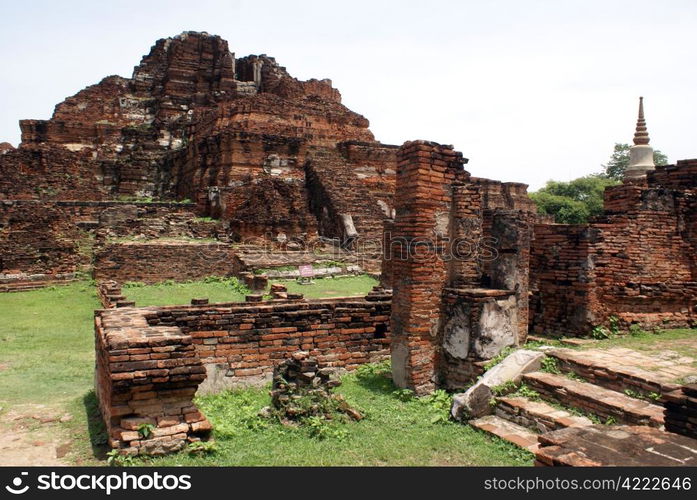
point(202, 162)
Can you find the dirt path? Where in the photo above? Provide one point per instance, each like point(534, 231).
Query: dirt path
point(30, 435)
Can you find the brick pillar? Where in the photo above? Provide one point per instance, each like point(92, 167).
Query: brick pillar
point(425, 174)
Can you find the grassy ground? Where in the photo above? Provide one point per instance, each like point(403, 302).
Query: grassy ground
point(46, 360)
point(229, 290)
point(683, 341)
point(397, 430)
point(47, 344)
point(333, 287)
point(168, 293)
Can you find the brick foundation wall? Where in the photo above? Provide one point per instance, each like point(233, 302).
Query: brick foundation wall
point(151, 361)
point(158, 261)
point(146, 379)
point(681, 411)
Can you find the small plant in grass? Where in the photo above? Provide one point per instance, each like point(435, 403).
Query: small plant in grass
point(403, 394)
point(202, 448)
point(134, 284)
point(550, 365)
point(635, 330)
point(234, 283)
point(320, 428)
point(372, 370)
point(600, 333)
point(146, 430)
point(439, 403)
point(116, 459)
point(614, 322)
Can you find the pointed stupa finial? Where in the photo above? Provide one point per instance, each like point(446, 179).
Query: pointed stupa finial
point(641, 135)
point(640, 154)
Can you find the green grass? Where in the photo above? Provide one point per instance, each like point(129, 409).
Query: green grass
point(168, 293)
point(332, 287)
point(397, 430)
point(47, 344)
point(229, 290)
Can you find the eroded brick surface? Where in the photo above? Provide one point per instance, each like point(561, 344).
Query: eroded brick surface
point(600, 445)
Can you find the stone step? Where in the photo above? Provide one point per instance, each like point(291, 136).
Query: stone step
point(595, 400)
point(508, 431)
point(615, 377)
point(537, 415)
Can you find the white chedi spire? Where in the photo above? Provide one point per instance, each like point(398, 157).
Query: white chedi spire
point(640, 154)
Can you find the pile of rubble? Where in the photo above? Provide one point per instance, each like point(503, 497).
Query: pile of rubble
point(302, 389)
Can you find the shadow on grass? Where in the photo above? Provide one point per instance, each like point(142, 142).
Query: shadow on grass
point(95, 426)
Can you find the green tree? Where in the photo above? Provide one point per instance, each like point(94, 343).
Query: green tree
point(614, 169)
point(573, 202)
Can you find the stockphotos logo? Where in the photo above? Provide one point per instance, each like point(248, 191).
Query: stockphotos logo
point(106, 483)
point(18, 487)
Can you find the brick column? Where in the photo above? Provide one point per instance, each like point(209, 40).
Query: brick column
point(425, 175)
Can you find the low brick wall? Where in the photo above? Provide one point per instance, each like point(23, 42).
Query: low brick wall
point(146, 376)
point(152, 360)
point(157, 261)
point(681, 411)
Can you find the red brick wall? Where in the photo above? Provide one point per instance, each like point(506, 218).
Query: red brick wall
point(151, 361)
point(249, 338)
point(47, 236)
point(157, 261)
point(636, 263)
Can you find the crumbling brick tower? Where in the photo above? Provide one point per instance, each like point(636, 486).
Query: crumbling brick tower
point(447, 241)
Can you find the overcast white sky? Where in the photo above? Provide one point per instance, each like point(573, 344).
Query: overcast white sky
point(528, 90)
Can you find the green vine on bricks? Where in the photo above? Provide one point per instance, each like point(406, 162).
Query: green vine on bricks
point(145, 430)
point(525, 391)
